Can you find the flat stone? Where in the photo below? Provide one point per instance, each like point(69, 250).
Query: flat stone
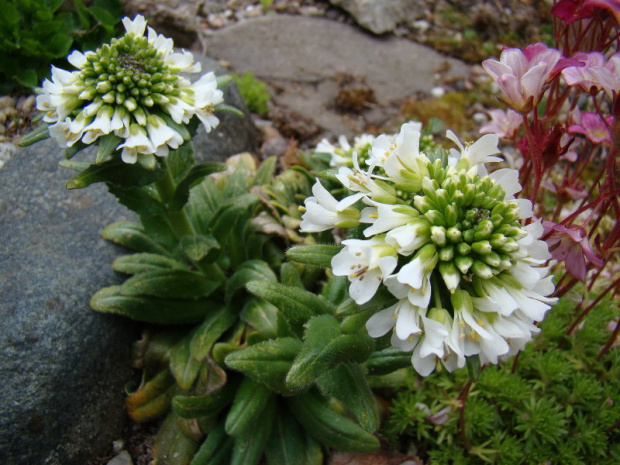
point(63, 366)
point(384, 16)
point(303, 59)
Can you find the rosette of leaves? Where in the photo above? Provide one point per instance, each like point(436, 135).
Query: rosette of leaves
point(259, 357)
point(37, 33)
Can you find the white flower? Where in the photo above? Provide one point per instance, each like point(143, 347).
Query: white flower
point(365, 263)
point(323, 212)
point(134, 80)
point(476, 283)
point(136, 143)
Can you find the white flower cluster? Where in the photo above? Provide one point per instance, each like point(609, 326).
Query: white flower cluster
point(446, 239)
point(342, 154)
point(130, 88)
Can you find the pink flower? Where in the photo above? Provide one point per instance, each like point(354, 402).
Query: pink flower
point(570, 244)
point(503, 123)
point(524, 75)
point(594, 74)
point(591, 125)
point(572, 10)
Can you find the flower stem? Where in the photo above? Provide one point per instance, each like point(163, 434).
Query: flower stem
point(177, 220)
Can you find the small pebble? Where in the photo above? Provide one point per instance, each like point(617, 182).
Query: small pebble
point(121, 459)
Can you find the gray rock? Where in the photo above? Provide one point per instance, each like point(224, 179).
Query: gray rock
point(62, 365)
point(302, 58)
point(382, 17)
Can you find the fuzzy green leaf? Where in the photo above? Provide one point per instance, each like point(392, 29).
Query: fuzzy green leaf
point(216, 449)
point(107, 146)
point(148, 309)
point(171, 284)
point(251, 270)
point(133, 236)
point(205, 405)
point(116, 172)
point(184, 367)
point(289, 444)
point(320, 255)
point(267, 362)
point(250, 444)
point(143, 262)
point(38, 134)
point(200, 247)
point(325, 347)
point(261, 315)
point(227, 217)
point(172, 446)
point(265, 172)
point(329, 427)
point(247, 408)
point(198, 172)
point(217, 321)
point(347, 383)
point(297, 305)
point(387, 361)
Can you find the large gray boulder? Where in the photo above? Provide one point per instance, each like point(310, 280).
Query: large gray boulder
point(304, 60)
point(62, 365)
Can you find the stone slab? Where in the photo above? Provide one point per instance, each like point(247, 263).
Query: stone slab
point(302, 57)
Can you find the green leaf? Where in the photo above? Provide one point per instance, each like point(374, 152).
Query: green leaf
point(228, 215)
point(261, 315)
point(473, 367)
point(320, 255)
point(73, 150)
point(230, 109)
point(152, 399)
point(265, 172)
point(289, 444)
point(116, 172)
point(148, 309)
point(204, 201)
point(247, 408)
point(200, 247)
point(290, 275)
point(250, 444)
point(26, 77)
point(329, 427)
point(336, 289)
point(325, 347)
point(172, 446)
point(133, 236)
point(143, 262)
point(205, 405)
point(387, 361)
point(107, 146)
point(184, 367)
point(38, 134)
point(198, 172)
point(216, 449)
point(267, 362)
point(171, 284)
point(251, 270)
point(297, 305)
point(217, 321)
point(137, 199)
point(347, 383)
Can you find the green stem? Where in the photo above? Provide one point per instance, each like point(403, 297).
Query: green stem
point(177, 220)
